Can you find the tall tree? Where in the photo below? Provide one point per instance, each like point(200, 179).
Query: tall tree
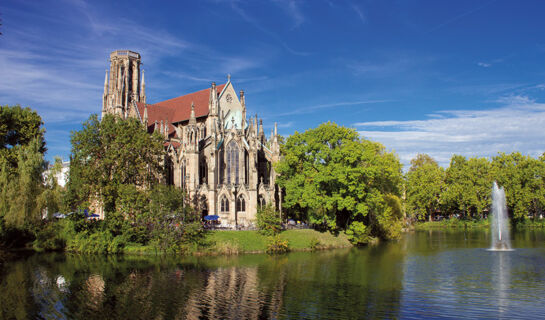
point(341, 181)
point(523, 180)
point(425, 182)
point(18, 127)
point(21, 165)
point(110, 153)
point(468, 186)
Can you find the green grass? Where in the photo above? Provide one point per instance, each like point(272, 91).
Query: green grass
point(530, 223)
point(253, 241)
point(452, 223)
point(135, 248)
point(301, 239)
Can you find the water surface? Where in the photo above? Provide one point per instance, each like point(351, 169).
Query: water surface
point(434, 274)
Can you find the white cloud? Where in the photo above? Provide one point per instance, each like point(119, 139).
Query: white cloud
point(517, 125)
point(59, 70)
point(484, 64)
point(291, 7)
point(359, 12)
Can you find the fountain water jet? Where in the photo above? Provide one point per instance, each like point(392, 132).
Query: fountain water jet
point(499, 228)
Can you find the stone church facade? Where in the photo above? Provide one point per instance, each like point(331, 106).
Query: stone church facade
point(219, 156)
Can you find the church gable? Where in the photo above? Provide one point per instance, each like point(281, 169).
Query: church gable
point(230, 107)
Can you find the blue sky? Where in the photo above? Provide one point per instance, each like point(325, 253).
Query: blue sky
point(436, 77)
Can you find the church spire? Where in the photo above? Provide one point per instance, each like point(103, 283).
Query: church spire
point(146, 115)
point(213, 100)
point(105, 96)
point(192, 119)
point(243, 103)
point(143, 89)
point(106, 83)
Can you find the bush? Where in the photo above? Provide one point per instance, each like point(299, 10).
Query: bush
point(358, 233)
point(314, 244)
point(277, 245)
point(12, 237)
point(225, 248)
point(98, 242)
point(268, 221)
point(49, 238)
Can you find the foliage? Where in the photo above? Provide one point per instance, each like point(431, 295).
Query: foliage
point(97, 242)
point(468, 186)
point(51, 198)
point(314, 244)
point(18, 128)
point(335, 178)
point(110, 153)
point(277, 245)
point(455, 224)
point(268, 221)
point(463, 191)
point(358, 233)
point(425, 182)
point(21, 166)
point(48, 238)
point(523, 179)
point(11, 237)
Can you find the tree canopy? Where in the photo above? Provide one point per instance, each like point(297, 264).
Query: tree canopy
point(464, 187)
point(108, 154)
point(425, 182)
point(21, 165)
point(18, 127)
point(340, 181)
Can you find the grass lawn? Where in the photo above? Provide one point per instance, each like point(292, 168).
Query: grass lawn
point(453, 223)
point(252, 241)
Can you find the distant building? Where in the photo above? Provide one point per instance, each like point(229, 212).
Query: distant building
point(62, 176)
point(214, 151)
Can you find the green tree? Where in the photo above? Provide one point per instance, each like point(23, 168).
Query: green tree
point(334, 178)
point(523, 180)
point(108, 154)
point(268, 221)
point(21, 187)
point(425, 182)
point(18, 127)
point(50, 200)
point(468, 186)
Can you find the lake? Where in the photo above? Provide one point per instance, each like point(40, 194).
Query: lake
point(424, 275)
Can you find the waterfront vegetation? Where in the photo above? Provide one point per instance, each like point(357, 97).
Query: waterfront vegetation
point(462, 190)
point(350, 190)
point(409, 278)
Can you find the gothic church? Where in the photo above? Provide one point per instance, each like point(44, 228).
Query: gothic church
point(214, 152)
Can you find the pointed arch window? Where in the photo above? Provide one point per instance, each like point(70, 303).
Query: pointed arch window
point(241, 204)
point(224, 204)
point(232, 162)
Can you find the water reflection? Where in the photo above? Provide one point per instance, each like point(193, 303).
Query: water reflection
point(329, 284)
point(502, 277)
point(426, 275)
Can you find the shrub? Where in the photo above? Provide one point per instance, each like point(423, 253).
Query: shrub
point(12, 237)
point(226, 248)
point(277, 245)
point(314, 244)
point(49, 238)
point(358, 233)
point(268, 221)
point(98, 242)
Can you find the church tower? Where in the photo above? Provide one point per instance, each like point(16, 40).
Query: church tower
point(123, 86)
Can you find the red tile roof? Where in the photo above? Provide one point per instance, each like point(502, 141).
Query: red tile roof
point(178, 109)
